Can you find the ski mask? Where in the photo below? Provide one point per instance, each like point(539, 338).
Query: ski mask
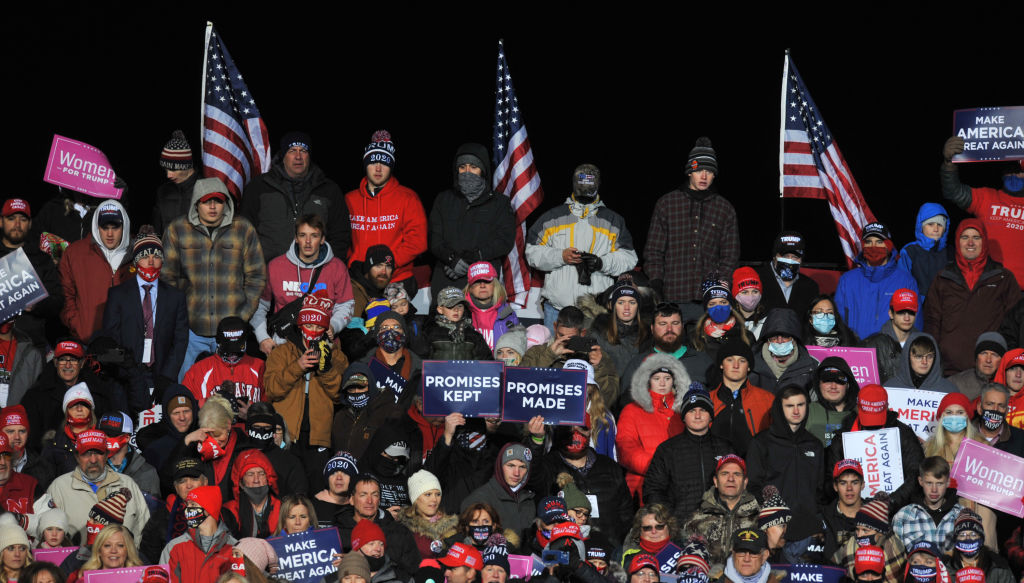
point(787, 269)
point(471, 185)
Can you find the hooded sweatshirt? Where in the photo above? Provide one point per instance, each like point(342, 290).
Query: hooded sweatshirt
point(823, 419)
point(1015, 408)
point(925, 257)
point(933, 381)
point(797, 370)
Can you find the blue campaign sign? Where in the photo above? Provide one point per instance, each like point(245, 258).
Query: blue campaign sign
point(559, 394)
point(387, 379)
point(306, 557)
point(470, 387)
point(20, 287)
point(809, 573)
point(669, 557)
point(990, 133)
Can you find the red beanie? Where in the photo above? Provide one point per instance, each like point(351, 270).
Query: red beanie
point(745, 278)
point(209, 498)
point(366, 531)
point(955, 399)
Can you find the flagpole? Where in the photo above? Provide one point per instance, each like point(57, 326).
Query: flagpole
point(202, 97)
point(782, 142)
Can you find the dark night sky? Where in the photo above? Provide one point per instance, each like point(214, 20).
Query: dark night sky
point(627, 91)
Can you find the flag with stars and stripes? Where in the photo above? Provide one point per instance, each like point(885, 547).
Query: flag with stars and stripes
point(515, 176)
point(811, 165)
point(236, 147)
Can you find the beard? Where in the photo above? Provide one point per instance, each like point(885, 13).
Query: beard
point(669, 345)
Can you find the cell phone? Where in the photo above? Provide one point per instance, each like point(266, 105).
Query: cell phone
point(552, 557)
point(580, 344)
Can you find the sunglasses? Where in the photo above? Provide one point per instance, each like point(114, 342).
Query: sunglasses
point(653, 527)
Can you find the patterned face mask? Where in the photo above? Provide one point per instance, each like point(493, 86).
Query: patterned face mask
point(194, 516)
point(390, 341)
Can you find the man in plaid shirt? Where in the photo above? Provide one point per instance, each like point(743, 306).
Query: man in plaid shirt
point(216, 259)
point(693, 232)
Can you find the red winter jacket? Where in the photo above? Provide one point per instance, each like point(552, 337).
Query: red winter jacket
point(245, 461)
point(189, 564)
point(18, 494)
point(394, 217)
point(206, 375)
point(85, 277)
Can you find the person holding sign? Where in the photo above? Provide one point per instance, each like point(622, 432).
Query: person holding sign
point(113, 548)
point(391, 350)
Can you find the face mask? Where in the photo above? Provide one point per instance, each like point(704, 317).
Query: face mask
point(209, 449)
point(114, 444)
point(390, 341)
point(262, 438)
point(992, 420)
point(585, 531)
point(749, 301)
point(969, 548)
point(1013, 183)
point(510, 361)
point(922, 574)
point(863, 541)
point(780, 348)
point(377, 563)
point(823, 323)
point(719, 314)
point(954, 423)
point(256, 493)
point(577, 444)
point(391, 467)
point(230, 358)
point(875, 255)
point(471, 185)
point(787, 269)
point(358, 400)
point(79, 422)
point(480, 534)
point(194, 516)
point(148, 273)
point(309, 335)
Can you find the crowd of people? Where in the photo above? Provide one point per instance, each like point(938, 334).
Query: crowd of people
point(243, 368)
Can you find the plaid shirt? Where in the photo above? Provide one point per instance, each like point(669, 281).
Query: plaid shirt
point(895, 558)
point(688, 239)
point(913, 523)
point(221, 270)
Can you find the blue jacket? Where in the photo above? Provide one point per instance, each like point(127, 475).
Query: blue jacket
point(864, 294)
point(925, 258)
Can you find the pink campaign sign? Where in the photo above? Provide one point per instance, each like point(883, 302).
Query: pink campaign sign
point(989, 476)
point(54, 555)
point(862, 361)
point(122, 575)
point(79, 166)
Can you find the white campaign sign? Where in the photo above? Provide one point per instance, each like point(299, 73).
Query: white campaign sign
point(880, 457)
point(916, 408)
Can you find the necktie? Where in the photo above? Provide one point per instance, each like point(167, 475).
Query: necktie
point(147, 315)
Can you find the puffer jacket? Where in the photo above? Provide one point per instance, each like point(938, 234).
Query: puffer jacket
point(800, 370)
point(794, 462)
point(823, 419)
point(681, 471)
point(482, 230)
point(591, 228)
point(187, 561)
point(864, 294)
point(238, 513)
point(296, 393)
point(925, 257)
point(715, 522)
point(220, 270)
point(83, 271)
point(933, 381)
point(649, 419)
point(273, 202)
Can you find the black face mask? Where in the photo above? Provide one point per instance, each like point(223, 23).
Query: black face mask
point(376, 563)
point(391, 467)
point(194, 516)
point(256, 493)
point(865, 540)
point(480, 534)
point(358, 400)
point(262, 438)
point(992, 420)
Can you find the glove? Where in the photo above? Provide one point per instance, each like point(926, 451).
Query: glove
point(582, 273)
point(593, 262)
point(450, 272)
point(954, 145)
point(324, 346)
point(461, 268)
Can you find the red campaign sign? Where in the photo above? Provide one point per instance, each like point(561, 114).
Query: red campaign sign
point(989, 476)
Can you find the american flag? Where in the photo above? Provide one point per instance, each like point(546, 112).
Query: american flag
point(811, 165)
point(515, 176)
point(235, 143)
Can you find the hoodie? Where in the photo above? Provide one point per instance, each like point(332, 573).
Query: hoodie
point(89, 271)
point(391, 472)
point(799, 369)
point(517, 508)
point(238, 514)
point(353, 428)
point(864, 294)
point(933, 381)
point(925, 257)
point(1015, 410)
point(823, 419)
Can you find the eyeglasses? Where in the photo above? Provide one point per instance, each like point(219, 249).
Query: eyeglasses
point(582, 512)
point(923, 357)
point(820, 312)
point(653, 527)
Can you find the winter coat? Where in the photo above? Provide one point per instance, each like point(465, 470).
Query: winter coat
point(144, 474)
point(895, 558)
point(681, 472)
point(59, 452)
point(738, 420)
point(591, 228)
point(482, 230)
point(492, 322)
point(393, 482)
point(997, 570)
point(650, 419)
point(25, 369)
point(352, 429)
point(401, 546)
point(160, 442)
point(516, 509)
point(465, 465)
point(715, 522)
point(187, 561)
point(238, 514)
point(288, 279)
point(437, 341)
point(933, 381)
point(44, 402)
point(425, 532)
point(838, 528)
point(953, 313)
point(794, 462)
point(173, 200)
point(296, 393)
point(802, 292)
point(409, 360)
point(73, 494)
point(800, 369)
point(18, 493)
point(393, 217)
point(220, 270)
point(864, 294)
point(291, 475)
point(890, 331)
point(206, 376)
point(823, 419)
point(696, 363)
point(542, 356)
point(625, 350)
point(926, 257)
point(83, 270)
point(273, 202)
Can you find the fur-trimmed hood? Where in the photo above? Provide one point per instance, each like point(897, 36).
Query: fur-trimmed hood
point(440, 530)
point(638, 387)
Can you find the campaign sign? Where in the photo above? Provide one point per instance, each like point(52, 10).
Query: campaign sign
point(862, 361)
point(879, 455)
point(79, 166)
point(122, 575)
point(387, 379)
point(989, 476)
point(916, 408)
point(559, 394)
point(307, 557)
point(519, 566)
point(669, 557)
point(990, 133)
point(55, 556)
point(20, 287)
point(470, 387)
point(809, 573)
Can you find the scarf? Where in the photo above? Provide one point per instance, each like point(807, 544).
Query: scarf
point(429, 433)
point(654, 548)
point(714, 330)
point(776, 367)
point(759, 577)
point(456, 330)
point(222, 465)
